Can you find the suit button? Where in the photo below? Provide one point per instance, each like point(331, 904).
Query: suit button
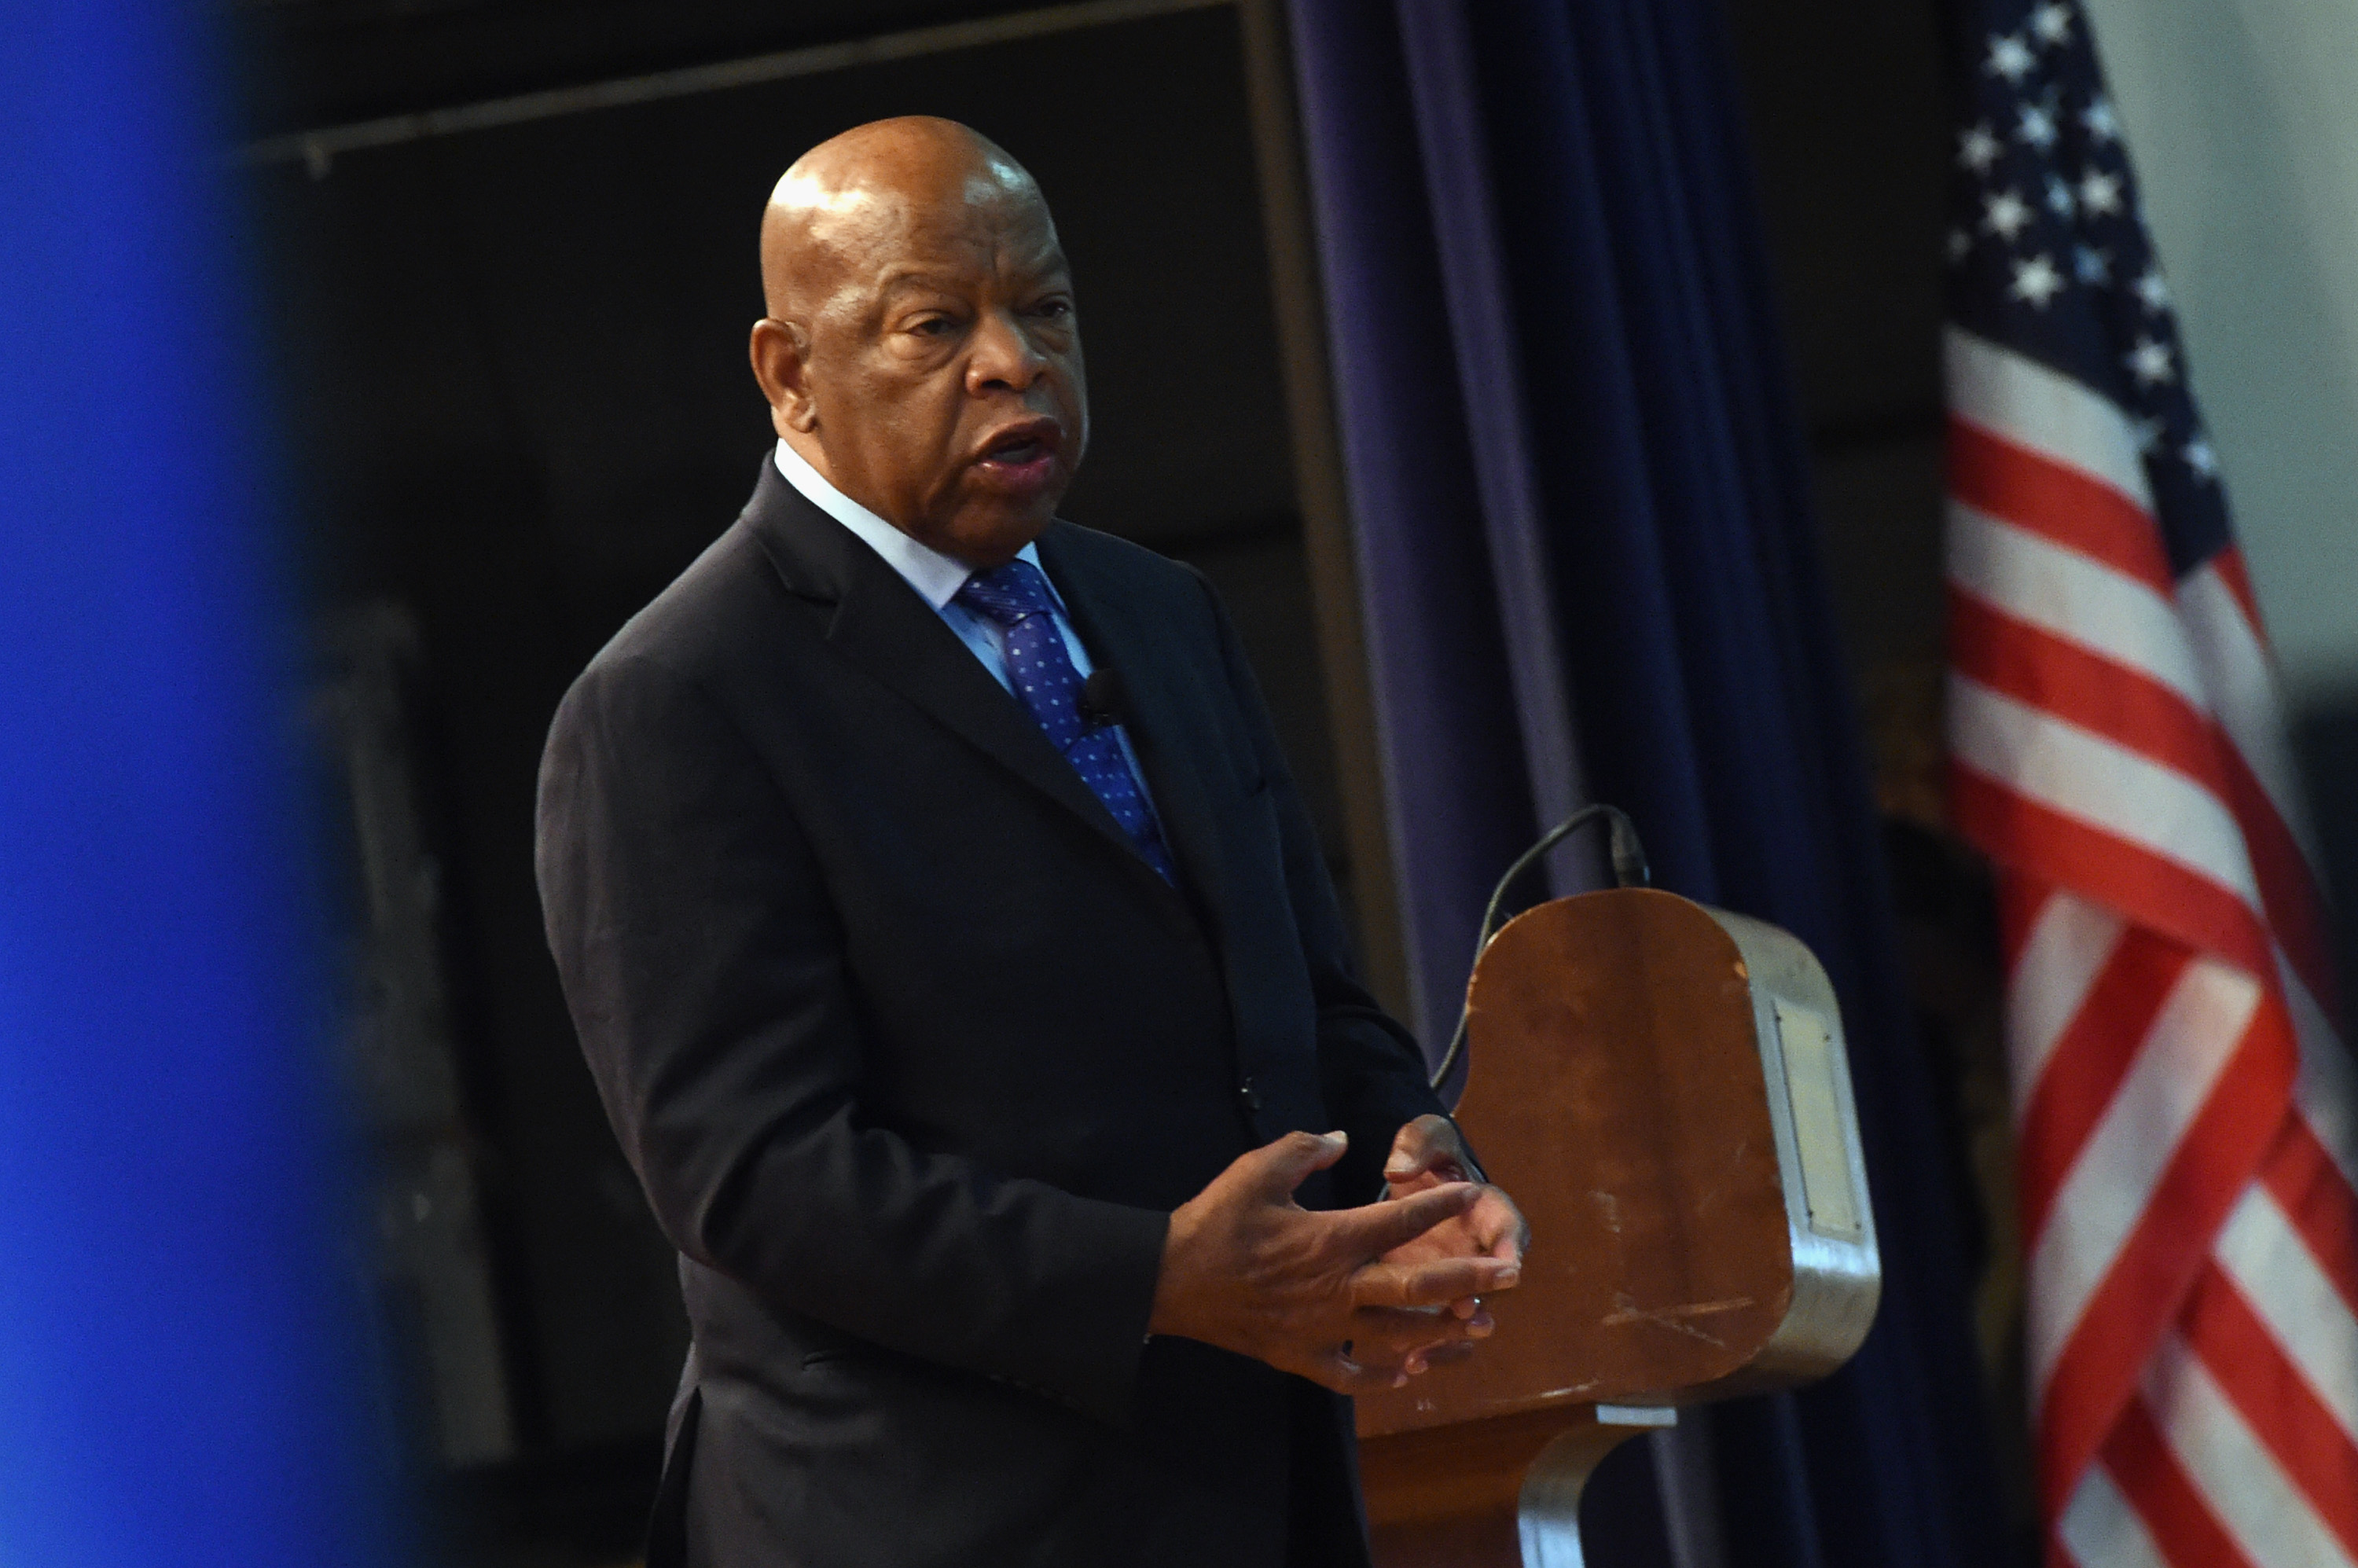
point(1250, 1095)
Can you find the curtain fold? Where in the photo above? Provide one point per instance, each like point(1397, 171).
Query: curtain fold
point(1588, 561)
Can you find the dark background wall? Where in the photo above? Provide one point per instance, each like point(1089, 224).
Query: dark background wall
point(516, 397)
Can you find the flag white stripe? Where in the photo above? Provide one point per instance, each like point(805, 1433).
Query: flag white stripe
point(2269, 1517)
point(2019, 400)
point(2067, 948)
point(2240, 680)
point(2105, 1194)
point(2305, 1314)
point(2074, 596)
point(2100, 782)
point(2100, 1530)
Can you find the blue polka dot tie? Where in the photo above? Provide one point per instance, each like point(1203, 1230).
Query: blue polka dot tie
point(1016, 596)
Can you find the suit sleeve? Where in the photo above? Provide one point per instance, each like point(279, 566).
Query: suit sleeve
point(701, 957)
point(1370, 1071)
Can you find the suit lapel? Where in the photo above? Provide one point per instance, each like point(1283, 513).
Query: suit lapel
point(883, 626)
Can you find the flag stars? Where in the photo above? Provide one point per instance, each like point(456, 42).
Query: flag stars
point(2036, 282)
point(2099, 120)
point(2035, 126)
point(2010, 57)
point(2005, 214)
point(2059, 199)
point(1978, 148)
point(2052, 23)
point(2152, 292)
point(2100, 192)
point(1961, 246)
point(2200, 457)
point(2091, 266)
point(2151, 362)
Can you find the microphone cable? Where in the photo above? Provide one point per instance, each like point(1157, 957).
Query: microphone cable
point(1629, 870)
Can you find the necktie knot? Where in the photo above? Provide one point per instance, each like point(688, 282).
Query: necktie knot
point(1007, 594)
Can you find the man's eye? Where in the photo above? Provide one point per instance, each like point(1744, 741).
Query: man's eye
point(931, 327)
point(1054, 309)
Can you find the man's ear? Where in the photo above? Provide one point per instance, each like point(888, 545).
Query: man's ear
point(781, 352)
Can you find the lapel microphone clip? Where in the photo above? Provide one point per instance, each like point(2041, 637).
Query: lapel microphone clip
point(1101, 703)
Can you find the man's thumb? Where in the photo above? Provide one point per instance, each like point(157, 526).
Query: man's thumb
point(1287, 1163)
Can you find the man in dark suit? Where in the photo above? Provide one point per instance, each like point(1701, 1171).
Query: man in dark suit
point(972, 1024)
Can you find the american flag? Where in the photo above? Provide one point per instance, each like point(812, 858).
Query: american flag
point(2189, 1158)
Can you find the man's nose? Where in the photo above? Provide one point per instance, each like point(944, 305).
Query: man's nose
point(1004, 356)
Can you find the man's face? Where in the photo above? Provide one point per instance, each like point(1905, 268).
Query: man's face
point(942, 370)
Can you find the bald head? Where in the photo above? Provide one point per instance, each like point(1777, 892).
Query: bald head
point(873, 185)
point(921, 349)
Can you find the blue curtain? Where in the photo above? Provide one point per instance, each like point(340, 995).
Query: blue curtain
point(179, 1382)
point(1590, 571)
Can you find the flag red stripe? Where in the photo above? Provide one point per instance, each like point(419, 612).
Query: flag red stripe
point(2109, 870)
point(2311, 1189)
point(2296, 914)
point(2229, 563)
point(2101, 1360)
point(2124, 704)
point(2241, 672)
point(2276, 1402)
point(1995, 475)
point(2147, 1473)
point(2088, 1064)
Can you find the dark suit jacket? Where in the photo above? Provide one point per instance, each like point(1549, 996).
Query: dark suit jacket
point(914, 1053)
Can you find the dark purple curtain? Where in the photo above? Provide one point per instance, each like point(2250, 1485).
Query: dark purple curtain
point(1590, 572)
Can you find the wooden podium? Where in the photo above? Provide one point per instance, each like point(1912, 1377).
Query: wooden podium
point(1662, 1088)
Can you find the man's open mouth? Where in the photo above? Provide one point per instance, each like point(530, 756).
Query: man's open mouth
point(1021, 446)
point(1020, 460)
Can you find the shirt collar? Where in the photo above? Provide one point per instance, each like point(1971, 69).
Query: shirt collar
point(935, 575)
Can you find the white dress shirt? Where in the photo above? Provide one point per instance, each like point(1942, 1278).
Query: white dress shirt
point(938, 577)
